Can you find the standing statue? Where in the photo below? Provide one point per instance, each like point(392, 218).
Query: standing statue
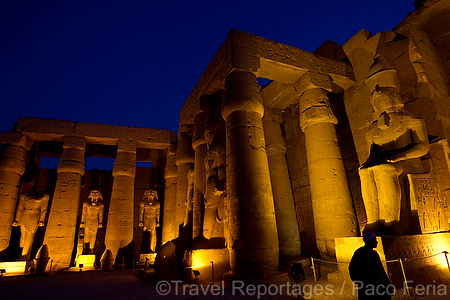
point(30, 214)
point(215, 165)
point(92, 218)
point(149, 215)
point(397, 141)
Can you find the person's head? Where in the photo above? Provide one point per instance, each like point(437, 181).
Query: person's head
point(370, 240)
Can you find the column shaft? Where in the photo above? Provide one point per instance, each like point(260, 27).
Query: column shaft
point(119, 230)
point(200, 148)
point(62, 221)
point(252, 226)
point(288, 233)
point(14, 148)
point(169, 232)
point(333, 211)
point(185, 163)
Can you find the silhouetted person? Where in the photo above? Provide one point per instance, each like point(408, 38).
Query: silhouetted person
point(367, 271)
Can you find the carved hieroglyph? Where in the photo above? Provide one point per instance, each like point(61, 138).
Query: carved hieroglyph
point(428, 203)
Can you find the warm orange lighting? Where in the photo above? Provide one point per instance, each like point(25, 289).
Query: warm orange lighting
point(87, 261)
point(13, 268)
point(147, 258)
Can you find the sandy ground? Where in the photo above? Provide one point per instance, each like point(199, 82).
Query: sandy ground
point(130, 284)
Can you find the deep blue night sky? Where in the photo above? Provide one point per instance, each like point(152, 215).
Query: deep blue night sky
point(134, 63)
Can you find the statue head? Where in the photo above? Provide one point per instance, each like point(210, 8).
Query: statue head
point(385, 99)
point(384, 86)
point(150, 195)
point(95, 197)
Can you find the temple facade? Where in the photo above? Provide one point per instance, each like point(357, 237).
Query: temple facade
point(347, 139)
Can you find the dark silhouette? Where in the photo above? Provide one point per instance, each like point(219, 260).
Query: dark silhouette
point(367, 271)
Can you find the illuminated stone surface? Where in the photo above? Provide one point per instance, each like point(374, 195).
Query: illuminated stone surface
point(215, 174)
point(288, 234)
point(265, 178)
point(331, 200)
point(169, 230)
point(185, 163)
point(199, 172)
point(92, 217)
point(30, 214)
point(119, 231)
point(62, 221)
point(252, 226)
point(12, 166)
point(395, 140)
point(149, 212)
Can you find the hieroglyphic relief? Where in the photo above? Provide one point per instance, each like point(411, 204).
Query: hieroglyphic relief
point(426, 198)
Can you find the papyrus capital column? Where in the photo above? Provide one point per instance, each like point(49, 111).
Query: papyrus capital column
point(14, 147)
point(119, 230)
point(62, 221)
point(288, 233)
point(253, 246)
point(169, 232)
point(333, 211)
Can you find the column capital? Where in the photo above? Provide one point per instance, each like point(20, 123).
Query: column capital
point(311, 80)
point(16, 139)
point(185, 152)
point(242, 93)
point(74, 142)
point(315, 108)
point(73, 156)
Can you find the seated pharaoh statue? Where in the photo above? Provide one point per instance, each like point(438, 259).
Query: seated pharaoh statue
point(396, 140)
point(92, 218)
point(149, 211)
point(30, 214)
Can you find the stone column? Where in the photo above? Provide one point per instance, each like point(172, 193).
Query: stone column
point(185, 163)
point(62, 221)
point(14, 147)
point(333, 210)
point(253, 247)
point(169, 232)
point(200, 148)
point(288, 233)
point(119, 229)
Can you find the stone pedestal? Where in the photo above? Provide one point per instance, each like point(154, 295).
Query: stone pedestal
point(62, 221)
point(288, 233)
point(253, 244)
point(119, 230)
point(14, 148)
